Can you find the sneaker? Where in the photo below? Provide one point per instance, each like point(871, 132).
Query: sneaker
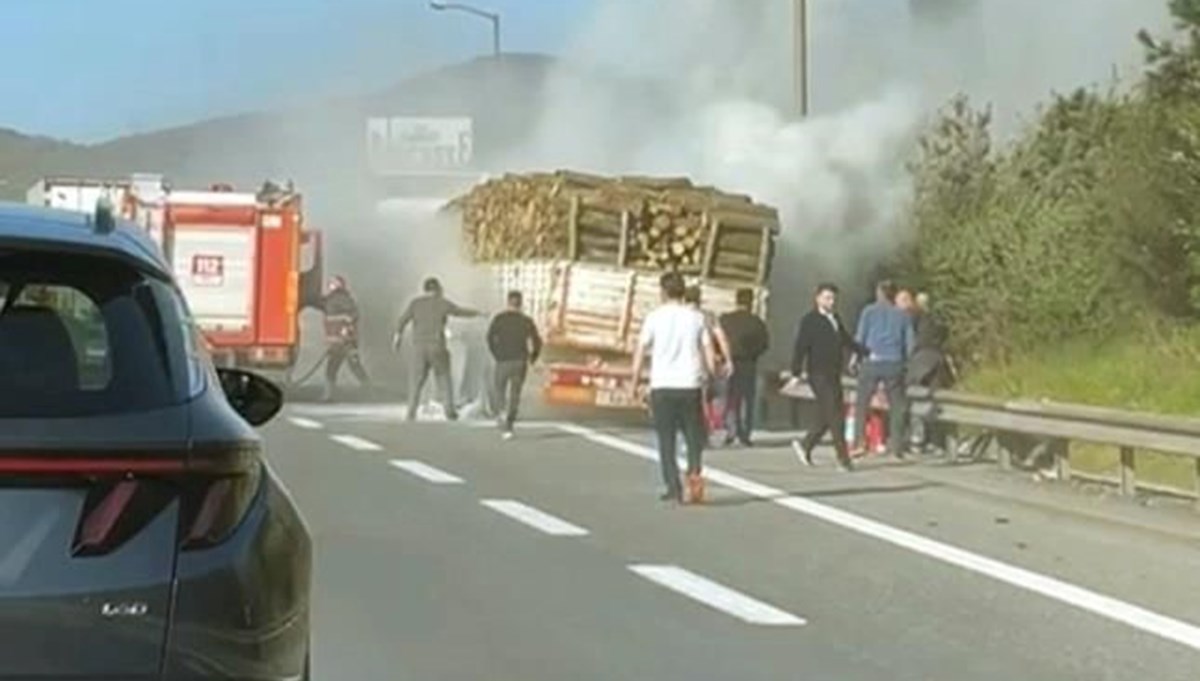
point(507, 435)
point(804, 455)
point(845, 465)
point(676, 497)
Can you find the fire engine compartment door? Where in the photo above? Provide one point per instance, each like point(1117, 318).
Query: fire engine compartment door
point(215, 266)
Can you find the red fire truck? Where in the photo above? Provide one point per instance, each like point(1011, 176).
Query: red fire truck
point(239, 258)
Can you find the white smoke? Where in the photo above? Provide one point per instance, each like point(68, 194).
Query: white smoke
point(703, 88)
point(713, 101)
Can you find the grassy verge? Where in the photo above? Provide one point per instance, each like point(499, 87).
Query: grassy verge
point(1157, 370)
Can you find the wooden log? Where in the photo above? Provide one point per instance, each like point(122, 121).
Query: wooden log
point(733, 274)
point(746, 220)
point(738, 260)
point(591, 240)
point(598, 256)
point(573, 222)
point(656, 183)
point(600, 220)
point(710, 247)
point(741, 241)
point(626, 228)
point(582, 179)
point(765, 253)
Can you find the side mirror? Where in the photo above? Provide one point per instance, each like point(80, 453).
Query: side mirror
point(253, 397)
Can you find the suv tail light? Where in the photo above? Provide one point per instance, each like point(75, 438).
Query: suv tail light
point(214, 507)
point(125, 493)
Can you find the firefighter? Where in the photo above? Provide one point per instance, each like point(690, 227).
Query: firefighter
point(341, 335)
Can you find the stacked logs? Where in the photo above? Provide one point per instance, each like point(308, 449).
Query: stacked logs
point(648, 222)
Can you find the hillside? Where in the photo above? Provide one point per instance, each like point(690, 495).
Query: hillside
point(320, 145)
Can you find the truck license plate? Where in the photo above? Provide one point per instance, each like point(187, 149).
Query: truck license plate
point(612, 398)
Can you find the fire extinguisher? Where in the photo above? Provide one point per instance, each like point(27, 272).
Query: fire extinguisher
point(850, 426)
point(872, 431)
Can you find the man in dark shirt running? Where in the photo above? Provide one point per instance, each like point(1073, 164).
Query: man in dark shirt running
point(428, 314)
point(748, 339)
point(515, 344)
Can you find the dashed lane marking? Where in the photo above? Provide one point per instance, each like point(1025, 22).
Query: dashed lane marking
point(539, 520)
point(356, 442)
point(717, 596)
point(306, 424)
point(426, 472)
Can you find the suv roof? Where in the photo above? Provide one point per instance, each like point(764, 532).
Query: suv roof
point(63, 230)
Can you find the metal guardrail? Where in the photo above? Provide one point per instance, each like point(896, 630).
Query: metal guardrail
point(1025, 430)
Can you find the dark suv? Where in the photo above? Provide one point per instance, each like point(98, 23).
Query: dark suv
point(142, 535)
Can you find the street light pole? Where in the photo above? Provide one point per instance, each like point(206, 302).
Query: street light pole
point(474, 11)
point(800, 56)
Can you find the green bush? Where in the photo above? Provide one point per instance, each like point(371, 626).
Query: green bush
point(1084, 227)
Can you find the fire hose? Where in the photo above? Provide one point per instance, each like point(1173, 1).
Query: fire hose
point(315, 367)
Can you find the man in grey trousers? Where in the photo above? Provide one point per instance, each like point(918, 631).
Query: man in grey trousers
point(886, 332)
point(428, 314)
point(515, 344)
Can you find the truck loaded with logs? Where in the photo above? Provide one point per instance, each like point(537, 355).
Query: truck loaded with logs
point(587, 252)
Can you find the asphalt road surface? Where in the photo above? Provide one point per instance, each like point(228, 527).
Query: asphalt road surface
point(444, 552)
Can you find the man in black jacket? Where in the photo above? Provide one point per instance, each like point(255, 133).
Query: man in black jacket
point(515, 344)
point(341, 335)
point(748, 340)
point(822, 344)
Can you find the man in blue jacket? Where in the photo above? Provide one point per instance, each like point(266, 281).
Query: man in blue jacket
point(886, 333)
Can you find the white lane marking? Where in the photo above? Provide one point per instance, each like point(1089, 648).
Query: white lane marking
point(426, 472)
point(306, 424)
point(1169, 628)
point(356, 442)
point(539, 520)
point(717, 596)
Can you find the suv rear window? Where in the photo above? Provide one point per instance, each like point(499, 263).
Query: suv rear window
point(83, 336)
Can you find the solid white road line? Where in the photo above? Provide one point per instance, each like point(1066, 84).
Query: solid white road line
point(426, 472)
point(534, 518)
point(717, 596)
point(356, 442)
point(307, 424)
point(1135, 616)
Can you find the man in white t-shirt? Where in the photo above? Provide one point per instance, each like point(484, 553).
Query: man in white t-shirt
point(676, 337)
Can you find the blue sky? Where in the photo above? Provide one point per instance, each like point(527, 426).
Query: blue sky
point(92, 69)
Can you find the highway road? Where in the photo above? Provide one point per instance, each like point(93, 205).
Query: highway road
point(446, 553)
